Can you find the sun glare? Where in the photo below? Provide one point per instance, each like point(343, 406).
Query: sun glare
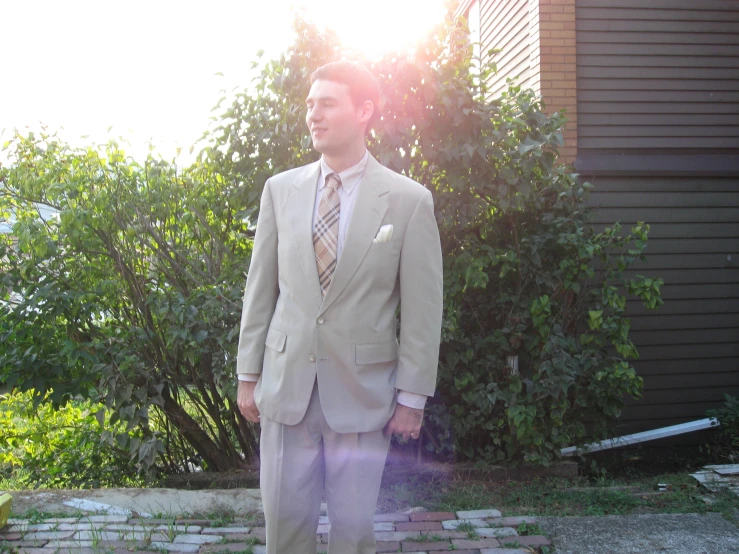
point(150, 70)
point(378, 27)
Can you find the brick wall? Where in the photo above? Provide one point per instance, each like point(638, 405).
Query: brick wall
point(549, 37)
point(552, 55)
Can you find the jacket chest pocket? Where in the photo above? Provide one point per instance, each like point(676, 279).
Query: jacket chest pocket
point(382, 261)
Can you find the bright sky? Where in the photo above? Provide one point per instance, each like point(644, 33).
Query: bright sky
point(147, 67)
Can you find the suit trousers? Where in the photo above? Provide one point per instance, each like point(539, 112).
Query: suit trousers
point(298, 461)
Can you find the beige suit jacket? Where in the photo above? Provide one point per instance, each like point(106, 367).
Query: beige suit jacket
point(292, 336)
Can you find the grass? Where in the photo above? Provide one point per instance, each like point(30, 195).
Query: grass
point(34, 515)
point(622, 483)
point(555, 497)
point(529, 529)
point(221, 517)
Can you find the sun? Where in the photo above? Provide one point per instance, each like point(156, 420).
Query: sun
point(378, 27)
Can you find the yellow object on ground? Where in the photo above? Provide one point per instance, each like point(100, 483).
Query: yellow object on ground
point(5, 501)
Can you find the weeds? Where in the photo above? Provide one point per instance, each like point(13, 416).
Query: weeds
point(34, 515)
point(529, 529)
point(465, 526)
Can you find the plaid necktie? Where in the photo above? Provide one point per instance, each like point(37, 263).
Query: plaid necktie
point(326, 231)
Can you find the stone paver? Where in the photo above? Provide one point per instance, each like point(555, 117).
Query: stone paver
point(224, 530)
point(172, 547)
point(32, 527)
point(179, 528)
point(510, 521)
point(197, 539)
point(107, 519)
point(478, 514)
point(496, 532)
point(419, 526)
point(505, 551)
point(26, 543)
point(50, 535)
point(123, 527)
point(398, 535)
point(432, 516)
point(476, 543)
point(454, 523)
point(96, 534)
point(414, 533)
point(69, 544)
point(427, 546)
point(75, 526)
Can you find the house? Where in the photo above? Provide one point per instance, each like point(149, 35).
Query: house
point(651, 91)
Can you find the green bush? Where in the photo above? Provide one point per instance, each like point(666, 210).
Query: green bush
point(131, 294)
point(526, 275)
point(41, 446)
point(728, 417)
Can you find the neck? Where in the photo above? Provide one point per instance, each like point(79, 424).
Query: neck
point(345, 160)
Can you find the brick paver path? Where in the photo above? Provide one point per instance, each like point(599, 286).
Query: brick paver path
point(470, 532)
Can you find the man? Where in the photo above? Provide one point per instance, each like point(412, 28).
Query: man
point(339, 243)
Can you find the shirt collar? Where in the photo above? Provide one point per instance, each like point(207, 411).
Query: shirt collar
point(349, 177)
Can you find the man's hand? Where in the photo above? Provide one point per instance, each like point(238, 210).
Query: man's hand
point(245, 401)
point(405, 422)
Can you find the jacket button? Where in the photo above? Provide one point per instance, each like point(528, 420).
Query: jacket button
point(312, 358)
point(320, 321)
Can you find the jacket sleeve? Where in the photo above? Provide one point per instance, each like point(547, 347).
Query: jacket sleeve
point(421, 298)
point(262, 290)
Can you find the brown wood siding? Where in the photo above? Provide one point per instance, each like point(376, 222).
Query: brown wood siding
point(504, 25)
point(661, 75)
point(658, 132)
point(689, 349)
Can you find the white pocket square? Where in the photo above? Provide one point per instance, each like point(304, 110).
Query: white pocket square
point(384, 234)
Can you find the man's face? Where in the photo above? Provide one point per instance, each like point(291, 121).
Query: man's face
point(336, 125)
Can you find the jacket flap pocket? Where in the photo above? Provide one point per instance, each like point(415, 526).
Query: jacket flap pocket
point(275, 339)
point(376, 353)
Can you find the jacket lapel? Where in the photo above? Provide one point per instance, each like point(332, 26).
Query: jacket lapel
point(369, 210)
point(300, 205)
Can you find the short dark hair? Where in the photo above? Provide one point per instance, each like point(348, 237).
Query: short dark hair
point(362, 84)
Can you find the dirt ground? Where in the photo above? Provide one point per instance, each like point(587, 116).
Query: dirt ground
point(152, 502)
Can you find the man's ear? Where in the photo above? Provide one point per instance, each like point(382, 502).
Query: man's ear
point(367, 109)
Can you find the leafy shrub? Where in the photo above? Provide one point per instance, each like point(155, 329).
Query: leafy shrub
point(728, 417)
point(527, 275)
point(60, 447)
point(131, 294)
